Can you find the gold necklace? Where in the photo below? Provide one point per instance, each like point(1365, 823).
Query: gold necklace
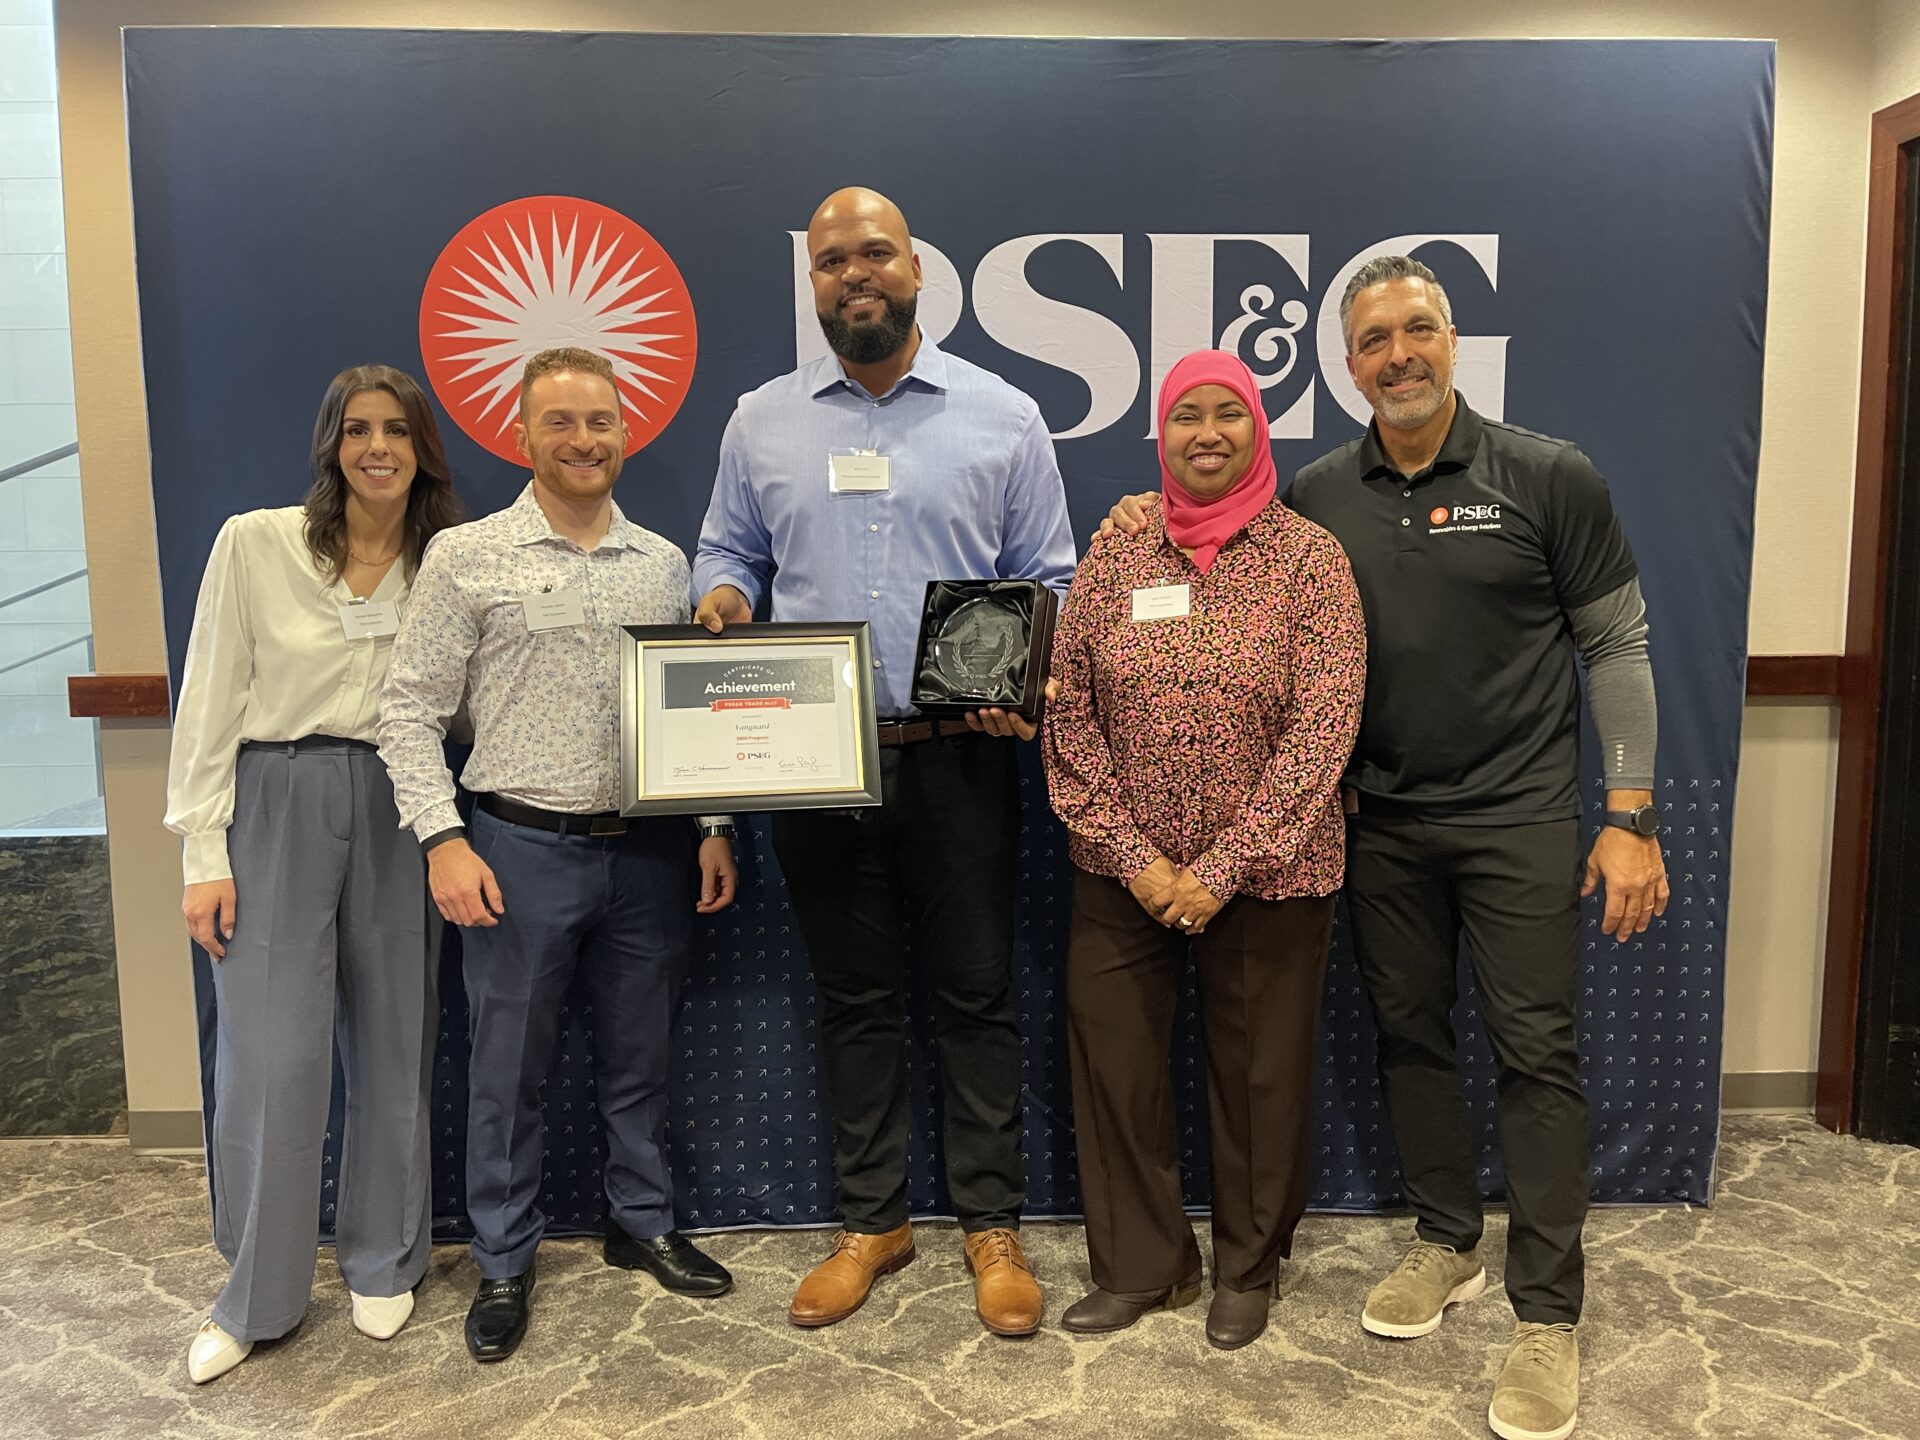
point(363, 560)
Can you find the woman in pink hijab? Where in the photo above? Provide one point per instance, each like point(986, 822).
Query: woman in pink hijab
point(1210, 675)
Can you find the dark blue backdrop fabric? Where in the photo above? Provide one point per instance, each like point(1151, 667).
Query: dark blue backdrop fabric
point(1088, 211)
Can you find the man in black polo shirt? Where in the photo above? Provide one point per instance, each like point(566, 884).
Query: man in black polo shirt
point(1485, 556)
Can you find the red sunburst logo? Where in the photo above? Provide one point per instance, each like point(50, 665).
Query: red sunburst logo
point(554, 270)
point(1438, 515)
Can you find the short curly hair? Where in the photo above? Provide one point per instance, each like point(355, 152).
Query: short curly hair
point(565, 357)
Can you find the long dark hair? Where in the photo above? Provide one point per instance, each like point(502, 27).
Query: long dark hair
point(431, 503)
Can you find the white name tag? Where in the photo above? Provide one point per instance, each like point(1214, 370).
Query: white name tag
point(859, 472)
point(553, 610)
point(1160, 602)
point(369, 619)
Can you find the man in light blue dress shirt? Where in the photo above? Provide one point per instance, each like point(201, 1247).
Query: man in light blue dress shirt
point(844, 487)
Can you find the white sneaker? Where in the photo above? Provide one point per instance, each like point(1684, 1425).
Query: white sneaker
point(381, 1316)
point(213, 1353)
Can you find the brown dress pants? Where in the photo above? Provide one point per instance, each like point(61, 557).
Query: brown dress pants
point(1260, 965)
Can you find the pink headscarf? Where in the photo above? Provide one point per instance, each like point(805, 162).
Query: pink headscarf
point(1203, 526)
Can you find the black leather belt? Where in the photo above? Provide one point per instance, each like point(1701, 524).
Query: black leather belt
point(1390, 808)
point(606, 825)
point(912, 732)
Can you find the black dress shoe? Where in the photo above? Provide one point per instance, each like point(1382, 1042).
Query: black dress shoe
point(670, 1259)
point(497, 1319)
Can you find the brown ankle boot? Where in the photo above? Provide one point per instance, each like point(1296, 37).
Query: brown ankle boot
point(839, 1285)
point(1237, 1317)
point(1005, 1292)
point(1099, 1312)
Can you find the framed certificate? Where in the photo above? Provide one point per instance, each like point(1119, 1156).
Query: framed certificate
point(764, 717)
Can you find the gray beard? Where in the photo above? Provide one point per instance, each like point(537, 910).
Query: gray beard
point(1412, 413)
point(875, 341)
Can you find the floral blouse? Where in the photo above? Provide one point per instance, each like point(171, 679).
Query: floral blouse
point(1216, 738)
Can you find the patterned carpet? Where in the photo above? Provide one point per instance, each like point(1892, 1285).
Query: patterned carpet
point(1792, 1308)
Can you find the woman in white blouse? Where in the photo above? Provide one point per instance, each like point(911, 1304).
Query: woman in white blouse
point(300, 885)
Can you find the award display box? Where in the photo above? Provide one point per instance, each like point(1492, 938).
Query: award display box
point(984, 643)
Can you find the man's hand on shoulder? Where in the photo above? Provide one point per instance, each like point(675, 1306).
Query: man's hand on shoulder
point(1129, 514)
point(722, 606)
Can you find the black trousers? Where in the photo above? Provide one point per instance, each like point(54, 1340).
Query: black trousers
point(1260, 965)
point(1414, 888)
point(938, 859)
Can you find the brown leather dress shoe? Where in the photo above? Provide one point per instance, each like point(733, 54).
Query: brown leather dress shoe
point(1100, 1311)
point(839, 1285)
point(1005, 1292)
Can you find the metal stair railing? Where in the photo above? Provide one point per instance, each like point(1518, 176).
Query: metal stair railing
point(14, 472)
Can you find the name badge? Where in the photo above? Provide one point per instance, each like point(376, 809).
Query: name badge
point(858, 472)
point(1160, 602)
point(553, 610)
point(369, 619)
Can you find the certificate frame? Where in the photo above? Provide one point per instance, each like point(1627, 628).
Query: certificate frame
point(656, 714)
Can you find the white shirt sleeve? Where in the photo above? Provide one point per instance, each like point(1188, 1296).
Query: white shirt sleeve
point(211, 708)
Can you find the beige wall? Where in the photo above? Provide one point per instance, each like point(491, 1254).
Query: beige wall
point(1826, 66)
point(1896, 52)
point(1782, 841)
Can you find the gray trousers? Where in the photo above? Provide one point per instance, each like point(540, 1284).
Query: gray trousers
point(334, 936)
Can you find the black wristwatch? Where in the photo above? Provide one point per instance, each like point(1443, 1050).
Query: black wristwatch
point(1642, 821)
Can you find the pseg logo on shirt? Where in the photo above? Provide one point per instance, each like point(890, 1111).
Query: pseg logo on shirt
point(1462, 519)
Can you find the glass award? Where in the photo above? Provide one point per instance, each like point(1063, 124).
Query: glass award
point(984, 643)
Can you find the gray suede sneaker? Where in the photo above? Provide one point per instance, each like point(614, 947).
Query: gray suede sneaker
point(1413, 1299)
point(1537, 1396)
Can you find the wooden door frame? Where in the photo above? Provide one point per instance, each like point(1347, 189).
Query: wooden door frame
point(1861, 663)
